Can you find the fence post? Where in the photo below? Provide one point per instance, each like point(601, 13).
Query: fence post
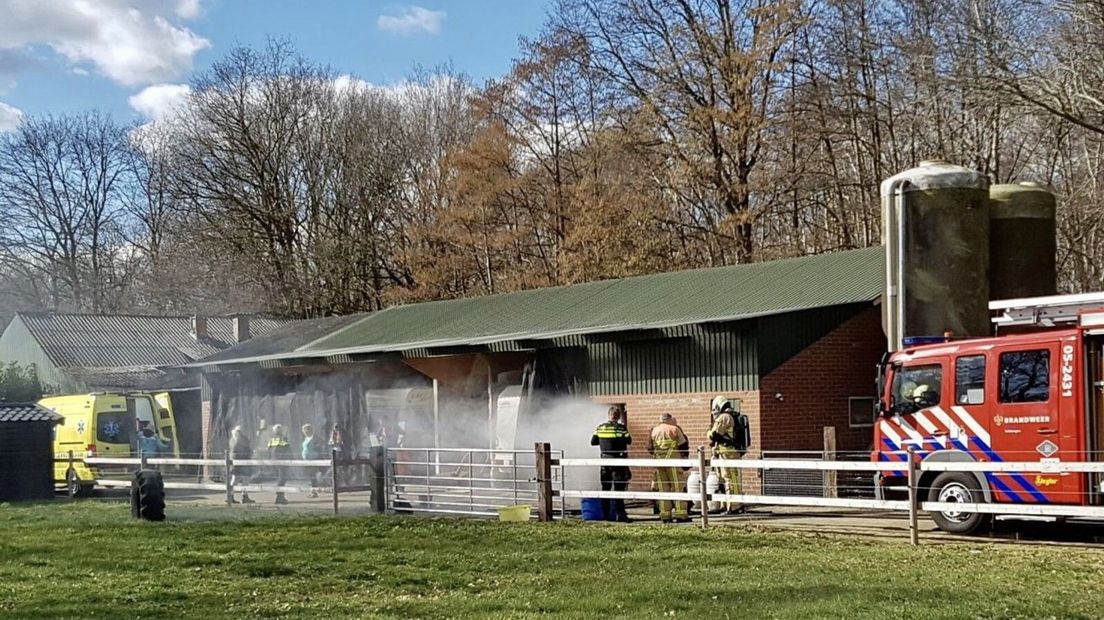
point(703, 472)
point(544, 480)
point(379, 503)
point(914, 528)
point(333, 473)
point(514, 460)
point(69, 471)
point(229, 479)
point(830, 486)
point(143, 459)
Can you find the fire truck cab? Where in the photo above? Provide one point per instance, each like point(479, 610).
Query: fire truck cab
point(1023, 397)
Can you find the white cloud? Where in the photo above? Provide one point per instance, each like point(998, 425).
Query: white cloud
point(411, 20)
point(129, 41)
point(348, 84)
point(160, 100)
point(187, 9)
point(10, 117)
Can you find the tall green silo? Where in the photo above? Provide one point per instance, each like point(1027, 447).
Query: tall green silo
point(935, 228)
point(1022, 241)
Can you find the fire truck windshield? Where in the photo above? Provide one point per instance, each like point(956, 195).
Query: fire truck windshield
point(916, 387)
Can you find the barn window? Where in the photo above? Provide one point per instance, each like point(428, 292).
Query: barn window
point(860, 411)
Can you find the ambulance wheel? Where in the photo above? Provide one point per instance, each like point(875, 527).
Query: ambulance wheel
point(957, 487)
point(74, 487)
point(147, 496)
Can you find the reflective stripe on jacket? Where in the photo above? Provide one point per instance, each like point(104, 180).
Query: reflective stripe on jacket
point(613, 439)
point(665, 441)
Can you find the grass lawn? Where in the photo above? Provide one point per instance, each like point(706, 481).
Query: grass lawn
point(88, 559)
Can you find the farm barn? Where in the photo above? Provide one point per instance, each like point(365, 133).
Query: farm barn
point(795, 340)
point(78, 353)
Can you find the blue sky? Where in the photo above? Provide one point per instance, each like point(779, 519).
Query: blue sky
point(129, 57)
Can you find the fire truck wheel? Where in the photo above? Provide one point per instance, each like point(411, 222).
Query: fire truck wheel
point(956, 487)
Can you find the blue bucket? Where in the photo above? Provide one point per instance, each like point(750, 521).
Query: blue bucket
point(592, 509)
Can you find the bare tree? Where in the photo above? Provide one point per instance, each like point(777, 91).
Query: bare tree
point(706, 75)
point(60, 183)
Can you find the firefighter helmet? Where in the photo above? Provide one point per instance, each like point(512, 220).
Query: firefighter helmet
point(721, 403)
point(924, 395)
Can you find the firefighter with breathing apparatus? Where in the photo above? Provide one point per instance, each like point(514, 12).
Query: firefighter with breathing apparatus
point(727, 436)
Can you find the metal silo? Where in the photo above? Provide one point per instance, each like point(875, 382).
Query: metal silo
point(935, 228)
point(1022, 241)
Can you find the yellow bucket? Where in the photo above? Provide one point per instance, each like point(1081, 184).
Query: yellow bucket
point(514, 513)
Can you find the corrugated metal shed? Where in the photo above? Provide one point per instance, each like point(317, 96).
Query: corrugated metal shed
point(653, 302)
point(286, 338)
point(27, 412)
point(129, 341)
point(660, 300)
point(701, 360)
point(141, 378)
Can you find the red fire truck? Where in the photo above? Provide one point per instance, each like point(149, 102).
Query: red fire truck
point(1036, 395)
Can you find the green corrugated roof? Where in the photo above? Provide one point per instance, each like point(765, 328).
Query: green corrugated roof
point(644, 302)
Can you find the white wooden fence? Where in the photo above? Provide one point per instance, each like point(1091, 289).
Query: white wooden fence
point(550, 470)
point(227, 466)
point(910, 466)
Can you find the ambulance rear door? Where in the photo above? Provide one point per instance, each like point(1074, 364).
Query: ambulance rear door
point(114, 427)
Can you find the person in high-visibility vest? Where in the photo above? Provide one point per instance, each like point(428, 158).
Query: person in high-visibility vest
point(722, 436)
point(666, 442)
point(279, 450)
point(613, 438)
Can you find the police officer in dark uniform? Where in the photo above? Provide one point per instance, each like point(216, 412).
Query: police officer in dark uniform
point(612, 437)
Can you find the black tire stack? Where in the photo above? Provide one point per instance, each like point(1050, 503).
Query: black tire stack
point(147, 496)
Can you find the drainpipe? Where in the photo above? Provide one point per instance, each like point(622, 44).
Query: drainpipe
point(895, 260)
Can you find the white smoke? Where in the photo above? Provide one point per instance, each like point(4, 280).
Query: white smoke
point(566, 424)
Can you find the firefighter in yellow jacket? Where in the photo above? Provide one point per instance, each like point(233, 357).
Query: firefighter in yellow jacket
point(722, 436)
point(666, 441)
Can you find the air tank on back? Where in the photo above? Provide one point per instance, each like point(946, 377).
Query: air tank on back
point(1022, 241)
point(935, 228)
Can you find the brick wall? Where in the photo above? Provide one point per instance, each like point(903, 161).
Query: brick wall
point(815, 385)
point(692, 413)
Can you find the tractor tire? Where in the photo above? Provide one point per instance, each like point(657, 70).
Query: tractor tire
point(147, 496)
point(957, 487)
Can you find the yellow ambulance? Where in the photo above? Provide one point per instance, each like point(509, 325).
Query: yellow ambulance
point(105, 425)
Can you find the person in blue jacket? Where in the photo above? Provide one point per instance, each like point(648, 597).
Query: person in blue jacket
point(312, 450)
point(150, 444)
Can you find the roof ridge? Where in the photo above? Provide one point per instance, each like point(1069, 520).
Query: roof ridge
point(132, 315)
point(365, 315)
point(643, 276)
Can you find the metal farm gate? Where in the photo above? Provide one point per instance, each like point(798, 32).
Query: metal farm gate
point(458, 481)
